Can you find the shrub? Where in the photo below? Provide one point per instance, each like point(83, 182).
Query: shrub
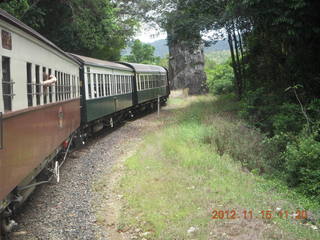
point(220, 79)
point(289, 119)
point(303, 165)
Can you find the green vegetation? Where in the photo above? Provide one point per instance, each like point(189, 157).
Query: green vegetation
point(141, 53)
point(93, 28)
point(198, 163)
point(275, 57)
point(144, 53)
point(220, 79)
point(216, 57)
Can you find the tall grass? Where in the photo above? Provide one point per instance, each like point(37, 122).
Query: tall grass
point(196, 164)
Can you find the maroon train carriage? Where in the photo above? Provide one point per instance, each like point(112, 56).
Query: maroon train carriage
point(35, 119)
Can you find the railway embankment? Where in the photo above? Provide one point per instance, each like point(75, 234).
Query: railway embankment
point(186, 178)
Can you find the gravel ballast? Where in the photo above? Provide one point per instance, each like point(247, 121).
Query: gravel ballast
point(64, 210)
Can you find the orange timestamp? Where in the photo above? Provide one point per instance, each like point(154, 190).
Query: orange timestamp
point(263, 214)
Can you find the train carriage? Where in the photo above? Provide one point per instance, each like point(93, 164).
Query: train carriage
point(107, 91)
point(150, 82)
point(35, 119)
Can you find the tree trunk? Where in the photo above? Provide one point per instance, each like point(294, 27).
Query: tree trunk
point(186, 68)
point(234, 65)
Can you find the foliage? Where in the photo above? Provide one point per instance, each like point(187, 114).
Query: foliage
point(220, 79)
point(303, 165)
point(142, 53)
point(168, 186)
point(93, 28)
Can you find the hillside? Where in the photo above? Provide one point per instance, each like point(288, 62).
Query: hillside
point(161, 48)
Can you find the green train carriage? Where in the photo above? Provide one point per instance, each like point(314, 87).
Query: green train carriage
point(107, 92)
point(150, 82)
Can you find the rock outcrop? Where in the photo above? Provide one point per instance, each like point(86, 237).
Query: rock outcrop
point(186, 68)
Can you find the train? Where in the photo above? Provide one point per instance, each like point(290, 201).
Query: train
point(40, 121)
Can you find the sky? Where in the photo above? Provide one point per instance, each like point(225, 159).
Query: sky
point(149, 34)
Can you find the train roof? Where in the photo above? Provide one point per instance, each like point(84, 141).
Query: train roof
point(145, 68)
point(101, 63)
point(17, 23)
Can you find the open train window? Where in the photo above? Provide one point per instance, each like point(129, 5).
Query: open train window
point(123, 87)
point(64, 85)
point(50, 87)
point(7, 84)
point(74, 86)
point(142, 82)
point(68, 86)
point(95, 85)
point(89, 85)
point(29, 85)
point(56, 85)
point(118, 84)
point(45, 89)
point(100, 85)
point(107, 84)
point(38, 84)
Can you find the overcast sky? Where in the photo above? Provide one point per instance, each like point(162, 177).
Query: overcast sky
point(149, 34)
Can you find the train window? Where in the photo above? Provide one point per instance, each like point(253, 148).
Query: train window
point(123, 85)
point(29, 84)
point(56, 85)
point(74, 88)
point(95, 85)
point(106, 86)
point(112, 82)
point(69, 86)
point(130, 84)
point(6, 84)
point(59, 86)
point(44, 88)
point(64, 86)
point(38, 84)
point(152, 81)
point(115, 86)
point(89, 85)
point(142, 82)
point(101, 85)
point(118, 84)
point(127, 84)
point(50, 87)
point(103, 88)
point(147, 81)
point(78, 87)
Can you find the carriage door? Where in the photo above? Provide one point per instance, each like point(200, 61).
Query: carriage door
point(6, 84)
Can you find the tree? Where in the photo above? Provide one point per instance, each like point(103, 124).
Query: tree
point(94, 28)
point(141, 53)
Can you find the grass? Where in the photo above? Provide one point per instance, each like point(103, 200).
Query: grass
point(181, 173)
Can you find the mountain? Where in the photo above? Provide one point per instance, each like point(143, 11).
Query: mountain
point(161, 48)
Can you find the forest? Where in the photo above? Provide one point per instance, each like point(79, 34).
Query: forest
point(273, 71)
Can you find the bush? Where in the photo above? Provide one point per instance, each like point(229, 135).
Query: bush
point(289, 119)
point(303, 165)
point(220, 79)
